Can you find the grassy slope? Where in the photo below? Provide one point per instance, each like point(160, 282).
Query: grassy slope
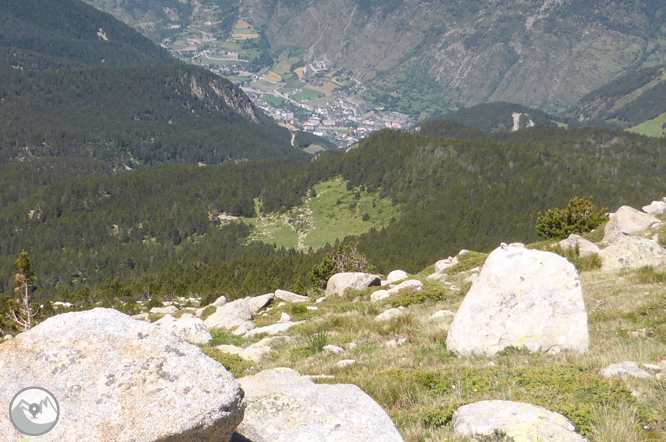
point(420, 383)
point(322, 220)
point(651, 128)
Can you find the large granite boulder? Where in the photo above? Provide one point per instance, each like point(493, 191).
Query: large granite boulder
point(522, 298)
point(283, 406)
point(288, 296)
point(396, 275)
point(520, 421)
point(338, 283)
point(627, 221)
point(585, 247)
point(230, 315)
point(259, 302)
point(631, 252)
point(189, 329)
point(655, 208)
point(118, 379)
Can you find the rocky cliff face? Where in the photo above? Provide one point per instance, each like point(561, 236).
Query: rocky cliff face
point(540, 53)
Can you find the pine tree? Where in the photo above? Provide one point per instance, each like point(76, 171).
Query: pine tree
point(25, 281)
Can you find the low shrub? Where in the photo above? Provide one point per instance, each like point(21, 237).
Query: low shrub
point(236, 365)
point(579, 216)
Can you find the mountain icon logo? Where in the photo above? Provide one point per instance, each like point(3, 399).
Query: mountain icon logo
point(34, 411)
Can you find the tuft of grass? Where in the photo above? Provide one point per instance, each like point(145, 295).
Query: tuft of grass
point(582, 263)
point(207, 312)
point(468, 261)
point(225, 338)
point(648, 275)
point(236, 365)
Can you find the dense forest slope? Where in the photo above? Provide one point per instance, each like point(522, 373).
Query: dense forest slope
point(44, 34)
point(134, 116)
point(159, 225)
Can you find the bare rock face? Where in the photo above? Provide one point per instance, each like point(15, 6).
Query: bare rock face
point(338, 283)
point(120, 380)
point(585, 247)
point(631, 252)
point(522, 298)
point(517, 420)
point(627, 221)
point(283, 406)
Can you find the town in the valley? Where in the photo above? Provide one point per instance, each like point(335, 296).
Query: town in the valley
point(313, 97)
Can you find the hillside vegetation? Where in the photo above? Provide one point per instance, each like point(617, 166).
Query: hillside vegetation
point(52, 34)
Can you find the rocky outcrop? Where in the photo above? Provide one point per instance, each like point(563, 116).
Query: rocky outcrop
point(519, 421)
point(585, 247)
point(656, 208)
point(522, 298)
point(283, 406)
point(626, 221)
point(259, 302)
point(444, 264)
point(338, 283)
point(118, 379)
point(230, 315)
point(396, 275)
point(631, 252)
point(286, 296)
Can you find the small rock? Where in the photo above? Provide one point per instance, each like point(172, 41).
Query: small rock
point(653, 367)
point(444, 264)
point(519, 421)
point(320, 300)
point(345, 363)
point(190, 329)
point(390, 314)
point(272, 329)
point(229, 349)
point(284, 318)
point(395, 342)
point(7, 337)
point(242, 329)
point(627, 367)
point(170, 310)
point(396, 275)
point(282, 304)
point(219, 302)
point(655, 208)
point(290, 297)
point(141, 317)
point(165, 320)
point(352, 346)
point(463, 252)
point(312, 308)
point(410, 284)
point(585, 247)
point(334, 349)
point(230, 315)
point(259, 302)
point(442, 314)
point(379, 295)
point(437, 276)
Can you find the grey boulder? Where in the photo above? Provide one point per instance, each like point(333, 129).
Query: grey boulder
point(631, 252)
point(656, 208)
point(624, 368)
point(520, 421)
point(585, 247)
point(230, 315)
point(120, 380)
point(283, 406)
point(189, 329)
point(340, 282)
point(627, 221)
point(396, 275)
point(286, 296)
point(522, 298)
point(259, 302)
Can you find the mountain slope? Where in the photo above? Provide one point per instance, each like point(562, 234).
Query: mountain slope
point(41, 34)
point(134, 116)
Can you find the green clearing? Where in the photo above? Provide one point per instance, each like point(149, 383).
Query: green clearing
point(264, 85)
point(334, 213)
point(306, 94)
point(272, 99)
point(651, 128)
point(313, 149)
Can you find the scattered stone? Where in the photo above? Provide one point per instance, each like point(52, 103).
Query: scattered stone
point(624, 368)
point(230, 315)
point(334, 349)
point(282, 304)
point(229, 349)
point(338, 283)
point(585, 247)
point(395, 342)
point(319, 300)
point(463, 252)
point(656, 208)
point(653, 367)
point(219, 302)
point(352, 346)
point(121, 379)
point(273, 329)
point(631, 252)
point(522, 298)
point(8, 337)
point(284, 406)
point(389, 314)
point(396, 275)
point(284, 318)
point(520, 421)
point(626, 221)
point(259, 302)
point(444, 264)
point(442, 314)
point(170, 310)
point(141, 317)
point(242, 329)
point(345, 363)
point(256, 352)
point(410, 284)
point(290, 297)
point(379, 295)
point(312, 308)
point(437, 276)
point(190, 329)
